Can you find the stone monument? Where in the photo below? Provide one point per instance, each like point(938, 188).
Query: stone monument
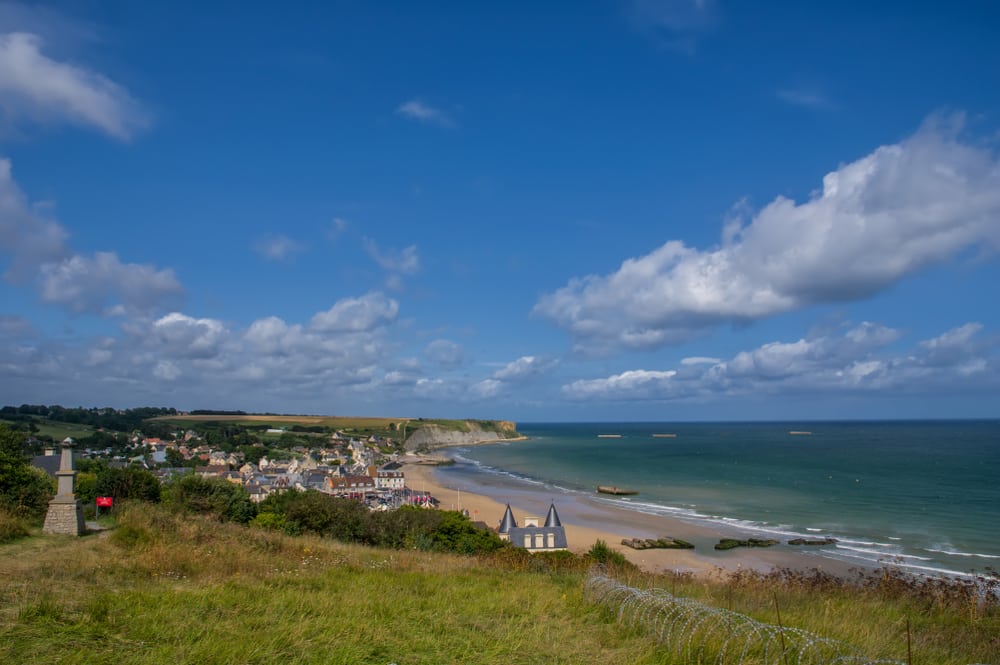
point(65, 513)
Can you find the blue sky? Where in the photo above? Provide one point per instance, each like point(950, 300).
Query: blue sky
point(610, 210)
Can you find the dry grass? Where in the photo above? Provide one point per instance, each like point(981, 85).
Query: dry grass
point(165, 589)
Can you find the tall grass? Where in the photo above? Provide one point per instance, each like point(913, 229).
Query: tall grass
point(811, 617)
point(161, 588)
point(164, 587)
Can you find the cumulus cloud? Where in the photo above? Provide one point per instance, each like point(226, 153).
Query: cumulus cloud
point(877, 220)
point(37, 249)
point(853, 360)
point(445, 353)
point(276, 247)
point(357, 314)
point(417, 109)
point(187, 336)
point(33, 86)
point(26, 234)
point(96, 284)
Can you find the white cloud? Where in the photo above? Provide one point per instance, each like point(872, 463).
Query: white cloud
point(637, 383)
point(419, 110)
point(36, 87)
point(357, 314)
point(337, 227)
point(524, 367)
point(186, 336)
point(277, 247)
point(102, 283)
point(404, 261)
point(952, 346)
point(445, 353)
point(699, 360)
point(96, 284)
point(855, 360)
point(486, 388)
point(25, 233)
point(166, 370)
point(901, 209)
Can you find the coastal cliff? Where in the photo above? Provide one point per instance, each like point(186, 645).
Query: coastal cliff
point(443, 434)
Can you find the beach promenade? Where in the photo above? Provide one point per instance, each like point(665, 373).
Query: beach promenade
point(587, 521)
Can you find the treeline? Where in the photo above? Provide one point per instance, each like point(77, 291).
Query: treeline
point(124, 420)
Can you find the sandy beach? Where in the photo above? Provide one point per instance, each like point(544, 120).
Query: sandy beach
point(587, 521)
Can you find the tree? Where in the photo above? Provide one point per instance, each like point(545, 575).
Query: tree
point(127, 483)
point(24, 490)
point(174, 457)
point(11, 441)
point(343, 519)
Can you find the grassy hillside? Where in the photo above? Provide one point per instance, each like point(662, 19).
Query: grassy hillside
point(394, 428)
point(58, 430)
point(167, 588)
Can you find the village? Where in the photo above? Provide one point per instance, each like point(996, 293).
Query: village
point(344, 466)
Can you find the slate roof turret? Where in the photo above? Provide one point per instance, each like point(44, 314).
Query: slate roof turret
point(508, 522)
point(552, 519)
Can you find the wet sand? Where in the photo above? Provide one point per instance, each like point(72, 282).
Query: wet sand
point(587, 521)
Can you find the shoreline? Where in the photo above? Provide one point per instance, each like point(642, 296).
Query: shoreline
point(587, 521)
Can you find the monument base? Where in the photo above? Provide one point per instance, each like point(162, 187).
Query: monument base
point(65, 515)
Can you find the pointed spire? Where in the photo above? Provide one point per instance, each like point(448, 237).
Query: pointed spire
point(507, 523)
point(552, 519)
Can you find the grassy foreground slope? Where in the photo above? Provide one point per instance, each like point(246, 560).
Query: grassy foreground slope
point(169, 587)
point(162, 589)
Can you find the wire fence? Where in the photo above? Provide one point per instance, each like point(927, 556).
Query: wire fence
point(699, 633)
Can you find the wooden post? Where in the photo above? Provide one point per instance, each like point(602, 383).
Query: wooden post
point(781, 629)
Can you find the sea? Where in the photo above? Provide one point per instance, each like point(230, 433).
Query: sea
point(923, 496)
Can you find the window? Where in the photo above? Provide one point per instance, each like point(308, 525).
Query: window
point(527, 540)
point(539, 541)
point(552, 541)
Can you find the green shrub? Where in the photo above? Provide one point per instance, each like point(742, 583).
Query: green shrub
point(269, 521)
point(324, 515)
point(127, 483)
point(12, 527)
point(222, 499)
point(602, 553)
point(24, 490)
point(456, 533)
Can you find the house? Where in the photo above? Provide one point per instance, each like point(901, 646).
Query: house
point(386, 478)
point(353, 486)
point(546, 538)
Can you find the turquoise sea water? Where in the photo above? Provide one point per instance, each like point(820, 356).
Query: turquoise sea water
point(922, 495)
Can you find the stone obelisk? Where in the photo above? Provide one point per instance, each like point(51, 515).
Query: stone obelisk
point(65, 512)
